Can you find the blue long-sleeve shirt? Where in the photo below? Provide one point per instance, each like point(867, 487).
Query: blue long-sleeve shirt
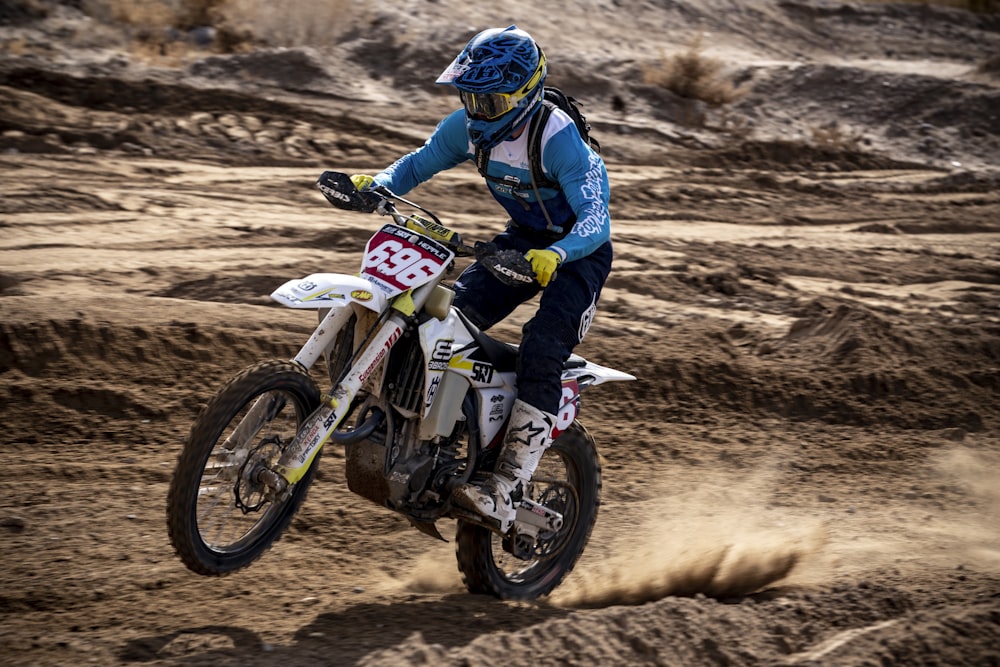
point(583, 192)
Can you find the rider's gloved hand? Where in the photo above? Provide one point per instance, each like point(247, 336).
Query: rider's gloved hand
point(544, 263)
point(362, 181)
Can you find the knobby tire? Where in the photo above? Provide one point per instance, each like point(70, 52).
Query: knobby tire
point(478, 548)
point(197, 469)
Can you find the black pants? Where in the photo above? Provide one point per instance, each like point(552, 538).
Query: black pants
point(564, 314)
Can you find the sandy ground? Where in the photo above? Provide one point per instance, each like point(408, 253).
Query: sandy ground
point(807, 284)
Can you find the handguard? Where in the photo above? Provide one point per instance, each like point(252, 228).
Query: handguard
point(508, 266)
point(339, 190)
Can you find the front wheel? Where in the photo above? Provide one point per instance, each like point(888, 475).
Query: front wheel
point(220, 516)
point(568, 480)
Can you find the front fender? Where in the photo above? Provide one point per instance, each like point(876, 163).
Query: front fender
point(330, 290)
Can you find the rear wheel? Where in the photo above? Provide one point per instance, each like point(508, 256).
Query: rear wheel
point(219, 515)
point(568, 480)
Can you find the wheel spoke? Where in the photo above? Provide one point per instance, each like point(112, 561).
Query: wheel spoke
point(218, 515)
point(567, 481)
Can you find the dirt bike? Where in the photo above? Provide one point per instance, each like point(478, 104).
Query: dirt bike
point(420, 399)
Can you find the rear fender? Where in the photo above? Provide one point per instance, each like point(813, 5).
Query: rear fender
point(578, 375)
point(330, 290)
point(590, 374)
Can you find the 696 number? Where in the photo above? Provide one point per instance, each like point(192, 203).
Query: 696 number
point(406, 265)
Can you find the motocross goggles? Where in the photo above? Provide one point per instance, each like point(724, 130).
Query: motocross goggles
point(489, 106)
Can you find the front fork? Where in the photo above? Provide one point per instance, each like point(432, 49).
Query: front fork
point(264, 408)
point(318, 428)
point(324, 336)
point(320, 425)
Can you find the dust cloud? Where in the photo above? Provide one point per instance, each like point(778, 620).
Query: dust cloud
point(716, 540)
point(971, 530)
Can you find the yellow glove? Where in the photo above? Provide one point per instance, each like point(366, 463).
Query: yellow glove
point(544, 263)
point(362, 181)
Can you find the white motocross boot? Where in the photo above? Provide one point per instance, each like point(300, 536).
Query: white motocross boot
point(529, 434)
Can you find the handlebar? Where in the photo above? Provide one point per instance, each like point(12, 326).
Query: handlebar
point(508, 266)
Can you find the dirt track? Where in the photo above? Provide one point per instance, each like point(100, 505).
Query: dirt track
point(807, 472)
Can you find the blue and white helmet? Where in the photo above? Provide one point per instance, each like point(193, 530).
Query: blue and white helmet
point(500, 76)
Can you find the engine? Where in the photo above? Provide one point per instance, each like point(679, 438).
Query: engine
point(393, 468)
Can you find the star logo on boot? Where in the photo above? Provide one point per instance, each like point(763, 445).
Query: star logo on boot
point(530, 431)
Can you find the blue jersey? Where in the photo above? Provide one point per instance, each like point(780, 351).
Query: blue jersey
point(581, 199)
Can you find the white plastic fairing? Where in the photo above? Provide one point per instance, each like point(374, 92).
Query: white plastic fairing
point(329, 290)
point(600, 374)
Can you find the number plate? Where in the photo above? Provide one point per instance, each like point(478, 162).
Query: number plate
point(570, 406)
point(397, 259)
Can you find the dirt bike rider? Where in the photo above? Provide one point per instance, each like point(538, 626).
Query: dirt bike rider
point(500, 76)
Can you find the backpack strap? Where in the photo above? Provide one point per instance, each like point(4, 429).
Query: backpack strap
point(482, 159)
point(538, 178)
